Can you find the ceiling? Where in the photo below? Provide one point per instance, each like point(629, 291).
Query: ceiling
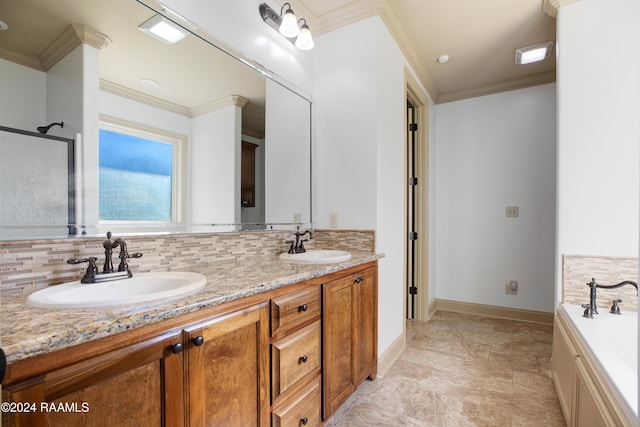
point(480, 37)
point(194, 77)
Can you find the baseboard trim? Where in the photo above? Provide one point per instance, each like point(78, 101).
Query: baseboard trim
point(392, 353)
point(492, 311)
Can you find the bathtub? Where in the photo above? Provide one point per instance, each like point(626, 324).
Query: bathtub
point(611, 342)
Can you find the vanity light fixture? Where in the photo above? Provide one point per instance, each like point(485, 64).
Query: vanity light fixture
point(163, 29)
point(287, 24)
point(534, 53)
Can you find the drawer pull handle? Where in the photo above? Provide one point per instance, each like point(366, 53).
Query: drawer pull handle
point(304, 421)
point(176, 348)
point(303, 307)
point(304, 359)
point(359, 279)
point(198, 341)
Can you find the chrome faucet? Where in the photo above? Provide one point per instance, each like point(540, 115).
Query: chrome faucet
point(297, 247)
point(93, 276)
point(592, 308)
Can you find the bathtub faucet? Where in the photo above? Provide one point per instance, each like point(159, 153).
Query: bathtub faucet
point(592, 308)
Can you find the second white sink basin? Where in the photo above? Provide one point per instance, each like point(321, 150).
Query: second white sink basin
point(317, 256)
point(142, 287)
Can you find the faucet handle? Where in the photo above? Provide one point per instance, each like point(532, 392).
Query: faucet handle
point(614, 308)
point(92, 269)
point(291, 244)
point(588, 313)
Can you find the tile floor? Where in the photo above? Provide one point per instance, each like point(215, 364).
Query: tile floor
point(462, 370)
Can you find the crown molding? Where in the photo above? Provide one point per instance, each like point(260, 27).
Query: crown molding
point(535, 80)
point(72, 37)
point(391, 18)
point(20, 59)
point(550, 7)
point(134, 95)
point(219, 104)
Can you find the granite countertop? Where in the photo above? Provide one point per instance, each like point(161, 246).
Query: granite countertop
point(27, 331)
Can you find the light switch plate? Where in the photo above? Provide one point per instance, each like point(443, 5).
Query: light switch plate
point(513, 211)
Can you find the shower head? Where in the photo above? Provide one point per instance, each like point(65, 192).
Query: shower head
point(44, 129)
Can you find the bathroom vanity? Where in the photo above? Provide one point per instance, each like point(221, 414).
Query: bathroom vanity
point(286, 349)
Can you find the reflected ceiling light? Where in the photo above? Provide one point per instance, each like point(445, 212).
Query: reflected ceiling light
point(3, 26)
point(443, 59)
point(149, 83)
point(534, 53)
point(163, 29)
point(288, 25)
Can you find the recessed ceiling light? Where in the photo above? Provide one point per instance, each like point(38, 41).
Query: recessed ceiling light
point(534, 53)
point(443, 59)
point(3, 26)
point(163, 29)
point(149, 83)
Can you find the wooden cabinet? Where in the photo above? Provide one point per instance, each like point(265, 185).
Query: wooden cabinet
point(288, 357)
point(564, 356)
point(296, 358)
point(590, 410)
point(349, 336)
point(140, 384)
point(227, 362)
point(584, 394)
point(248, 175)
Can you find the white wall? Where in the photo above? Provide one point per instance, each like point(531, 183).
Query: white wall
point(26, 89)
point(492, 152)
point(287, 152)
point(599, 129)
point(359, 130)
point(215, 167)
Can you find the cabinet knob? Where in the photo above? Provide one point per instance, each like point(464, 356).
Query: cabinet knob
point(359, 279)
point(304, 421)
point(304, 359)
point(198, 341)
point(303, 307)
point(176, 348)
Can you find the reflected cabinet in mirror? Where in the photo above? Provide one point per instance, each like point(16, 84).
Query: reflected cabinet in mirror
point(157, 126)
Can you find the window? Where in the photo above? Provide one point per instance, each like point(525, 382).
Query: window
point(139, 174)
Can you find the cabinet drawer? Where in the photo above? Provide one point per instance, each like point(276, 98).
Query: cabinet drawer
point(293, 358)
point(291, 310)
point(303, 409)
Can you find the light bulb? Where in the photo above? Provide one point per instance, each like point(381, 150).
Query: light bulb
point(304, 40)
point(289, 26)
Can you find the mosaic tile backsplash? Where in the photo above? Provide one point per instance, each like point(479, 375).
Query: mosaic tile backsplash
point(35, 264)
point(577, 271)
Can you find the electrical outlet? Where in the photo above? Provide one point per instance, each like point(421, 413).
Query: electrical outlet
point(513, 211)
point(511, 288)
point(333, 220)
point(297, 218)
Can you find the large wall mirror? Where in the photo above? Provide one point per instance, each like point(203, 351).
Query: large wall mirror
point(167, 137)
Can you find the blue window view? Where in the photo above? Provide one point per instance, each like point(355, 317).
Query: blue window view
point(135, 178)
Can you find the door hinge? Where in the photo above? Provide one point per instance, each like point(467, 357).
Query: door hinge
point(413, 290)
point(413, 127)
point(413, 235)
point(413, 181)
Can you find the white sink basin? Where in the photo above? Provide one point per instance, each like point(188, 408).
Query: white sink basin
point(142, 287)
point(317, 256)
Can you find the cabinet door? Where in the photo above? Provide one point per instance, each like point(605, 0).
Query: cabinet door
point(590, 410)
point(367, 284)
point(339, 342)
point(140, 385)
point(227, 361)
point(564, 355)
